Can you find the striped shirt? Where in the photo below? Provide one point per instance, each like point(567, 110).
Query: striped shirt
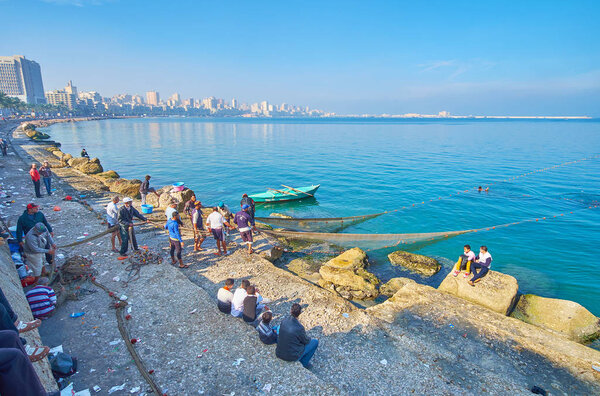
point(42, 300)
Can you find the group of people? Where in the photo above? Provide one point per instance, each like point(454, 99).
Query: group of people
point(477, 265)
point(290, 336)
point(37, 176)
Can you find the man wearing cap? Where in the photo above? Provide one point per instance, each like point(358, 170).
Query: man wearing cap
point(30, 217)
point(226, 213)
point(246, 200)
point(36, 241)
point(215, 222)
point(145, 189)
point(125, 218)
point(245, 223)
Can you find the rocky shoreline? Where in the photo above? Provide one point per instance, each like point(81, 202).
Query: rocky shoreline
point(420, 340)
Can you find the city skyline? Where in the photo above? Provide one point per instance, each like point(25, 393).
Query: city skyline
point(347, 58)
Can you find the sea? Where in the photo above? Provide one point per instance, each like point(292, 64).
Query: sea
point(371, 165)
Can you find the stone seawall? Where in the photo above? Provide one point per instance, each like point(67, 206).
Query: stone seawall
point(11, 286)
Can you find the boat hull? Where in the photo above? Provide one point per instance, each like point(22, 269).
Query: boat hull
point(273, 196)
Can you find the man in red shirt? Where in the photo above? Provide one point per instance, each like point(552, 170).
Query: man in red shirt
point(35, 178)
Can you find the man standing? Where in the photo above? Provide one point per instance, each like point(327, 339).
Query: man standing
point(293, 344)
point(215, 223)
point(145, 189)
point(226, 213)
point(36, 242)
point(46, 174)
point(125, 219)
point(30, 217)
point(112, 219)
point(3, 147)
point(198, 227)
point(246, 200)
point(175, 240)
point(189, 207)
point(35, 178)
point(245, 223)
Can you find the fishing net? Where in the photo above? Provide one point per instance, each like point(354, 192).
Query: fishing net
point(325, 224)
point(374, 241)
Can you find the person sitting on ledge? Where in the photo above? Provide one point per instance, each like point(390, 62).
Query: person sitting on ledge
point(464, 261)
point(252, 306)
point(84, 154)
point(224, 296)
point(483, 262)
point(17, 375)
point(293, 344)
point(41, 299)
point(266, 333)
point(237, 302)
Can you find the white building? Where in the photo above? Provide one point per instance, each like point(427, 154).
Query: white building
point(21, 78)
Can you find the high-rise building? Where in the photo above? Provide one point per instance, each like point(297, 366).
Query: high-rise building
point(61, 98)
point(152, 98)
point(21, 78)
point(234, 103)
point(71, 89)
point(175, 99)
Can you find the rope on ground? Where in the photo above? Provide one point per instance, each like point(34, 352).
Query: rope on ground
point(137, 260)
point(119, 309)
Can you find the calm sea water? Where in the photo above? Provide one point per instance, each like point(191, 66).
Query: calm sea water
point(369, 166)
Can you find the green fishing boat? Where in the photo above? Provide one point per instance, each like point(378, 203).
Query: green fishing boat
point(285, 194)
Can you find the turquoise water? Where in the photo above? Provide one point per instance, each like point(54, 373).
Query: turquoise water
point(374, 165)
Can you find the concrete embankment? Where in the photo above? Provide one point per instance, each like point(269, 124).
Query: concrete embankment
point(421, 341)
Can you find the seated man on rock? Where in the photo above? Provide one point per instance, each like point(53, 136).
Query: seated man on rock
point(483, 262)
point(267, 333)
point(225, 296)
point(293, 344)
point(464, 262)
point(237, 302)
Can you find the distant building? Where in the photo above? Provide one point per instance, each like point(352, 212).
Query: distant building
point(444, 114)
point(21, 78)
point(152, 98)
point(175, 99)
point(234, 103)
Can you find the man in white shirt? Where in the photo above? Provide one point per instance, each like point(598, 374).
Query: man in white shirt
point(483, 262)
point(237, 303)
point(112, 212)
point(464, 261)
point(215, 223)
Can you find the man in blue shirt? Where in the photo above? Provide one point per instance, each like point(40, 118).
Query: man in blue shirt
point(175, 240)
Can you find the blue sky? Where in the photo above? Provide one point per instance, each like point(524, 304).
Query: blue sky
point(466, 57)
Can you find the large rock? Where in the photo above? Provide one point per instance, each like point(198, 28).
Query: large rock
point(167, 195)
point(272, 254)
point(305, 268)
point(346, 275)
point(563, 316)
point(110, 174)
point(393, 285)
point(496, 291)
point(127, 188)
point(65, 159)
point(415, 262)
point(78, 161)
point(280, 215)
point(91, 167)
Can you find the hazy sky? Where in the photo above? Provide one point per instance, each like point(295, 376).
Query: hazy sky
point(467, 57)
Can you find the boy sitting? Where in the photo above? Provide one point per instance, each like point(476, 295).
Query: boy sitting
point(225, 296)
point(266, 333)
point(252, 307)
point(464, 261)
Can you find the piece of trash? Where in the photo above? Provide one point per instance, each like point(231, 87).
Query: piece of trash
point(383, 361)
point(91, 371)
point(128, 310)
point(67, 390)
point(135, 390)
point(171, 361)
point(56, 349)
point(116, 388)
point(465, 335)
point(192, 312)
point(77, 315)
point(85, 234)
point(204, 351)
point(80, 237)
point(104, 273)
point(116, 279)
point(597, 368)
point(123, 297)
point(115, 342)
point(94, 253)
point(96, 388)
point(60, 256)
point(266, 388)
point(85, 392)
point(135, 340)
point(150, 371)
point(238, 361)
point(451, 325)
point(56, 208)
point(345, 315)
